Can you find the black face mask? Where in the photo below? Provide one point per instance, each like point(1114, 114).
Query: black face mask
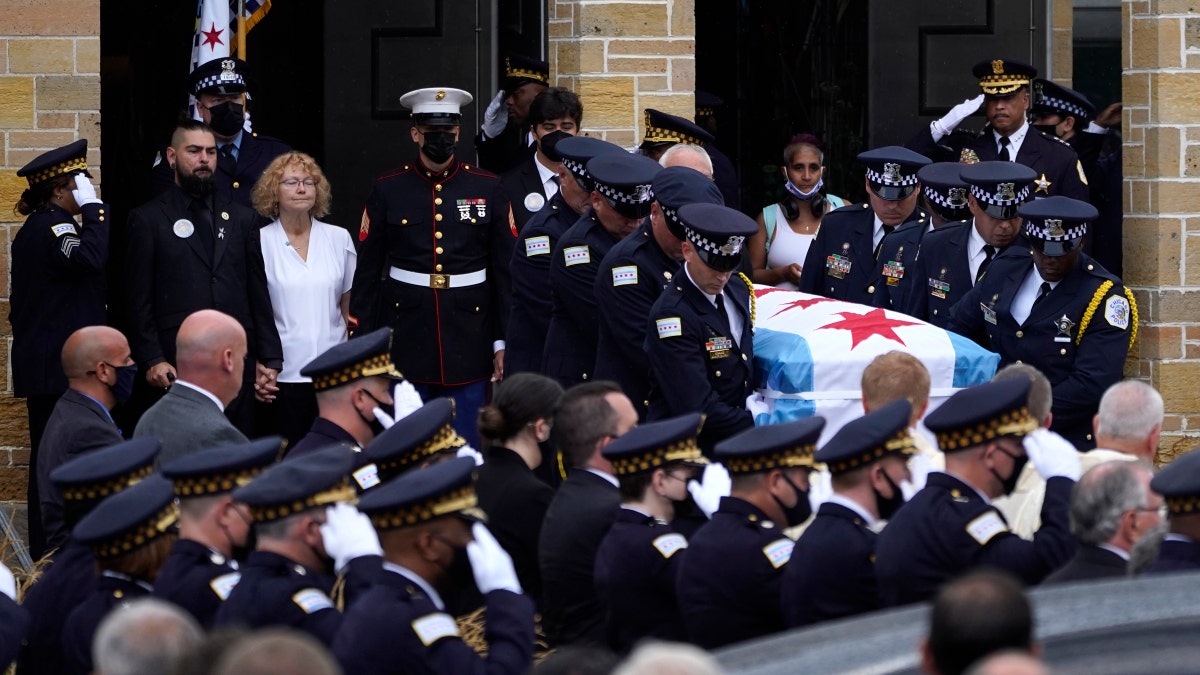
point(1048, 129)
point(799, 513)
point(388, 409)
point(889, 505)
point(439, 146)
point(458, 576)
point(227, 118)
point(123, 389)
point(241, 552)
point(1009, 484)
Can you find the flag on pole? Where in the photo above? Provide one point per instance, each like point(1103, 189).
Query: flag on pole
point(213, 34)
point(252, 10)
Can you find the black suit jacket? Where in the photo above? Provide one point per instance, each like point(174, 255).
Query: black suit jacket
point(578, 518)
point(520, 182)
point(170, 277)
point(1090, 562)
point(505, 151)
point(515, 501)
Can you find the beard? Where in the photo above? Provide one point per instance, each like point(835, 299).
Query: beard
point(197, 185)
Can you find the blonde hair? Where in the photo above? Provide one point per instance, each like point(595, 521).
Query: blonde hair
point(893, 376)
point(266, 191)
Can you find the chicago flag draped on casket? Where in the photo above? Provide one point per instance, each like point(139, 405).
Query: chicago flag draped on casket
point(810, 352)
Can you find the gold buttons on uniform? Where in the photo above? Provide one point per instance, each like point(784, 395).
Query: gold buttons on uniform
point(870, 289)
point(438, 250)
point(935, 312)
point(585, 376)
point(718, 373)
point(404, 221)
point(236, 185)
point(101, 219)
point(437, 235)
point(438, 201)
point(1063, 352)
point(1020, 333)
point(438, 217)
point(437, 268)
point(437, 187)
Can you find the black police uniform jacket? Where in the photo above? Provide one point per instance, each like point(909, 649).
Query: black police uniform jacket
point(1175, 555)
point(631, 278)
point(235, 181)
point(729, 581)
point(171, 276)
point(532, 300)
point(64, 585)
point(581, 513)
point(947, 529)
point(321, 435)
point(841, 260)
point(1078, 335)
point(505, 151)
point(196, 578)
point(111, 591)
point(570, 352)
point(520, 182)
point(452, 222)
point(275, 591)
point(1058, 167)
point(637, 565)
point(396, 628)
point(898, 253)
point(696, 364)
point(832, 570)
point(1090, 562)
point(58, 287)
point(941, 276)
point(15, 623)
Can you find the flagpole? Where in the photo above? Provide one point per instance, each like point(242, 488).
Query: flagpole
point(241, 29)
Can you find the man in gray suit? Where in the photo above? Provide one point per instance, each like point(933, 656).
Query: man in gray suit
point(210, 353)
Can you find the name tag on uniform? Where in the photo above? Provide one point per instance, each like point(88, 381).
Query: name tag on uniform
point(894, 271)
point(669, 327)
point(670, 544)
point(577, 255)
point(838, 265)
point(537, 246)
point(779, 552)
point(433, 627)
point(938, 288)
point(625, 275)
point(718, 347)
point(989, 314)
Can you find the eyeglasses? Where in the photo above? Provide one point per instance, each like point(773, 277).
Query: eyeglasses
point(292, 183)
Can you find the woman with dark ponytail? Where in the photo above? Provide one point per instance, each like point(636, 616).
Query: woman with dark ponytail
point(58, 286)
point(518, 419)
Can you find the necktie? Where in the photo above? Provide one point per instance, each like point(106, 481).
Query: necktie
point(988, 252)
point(226, 161)
point(887, 229)
point(202, 221)
point(1043, 291)
point(1004, 156)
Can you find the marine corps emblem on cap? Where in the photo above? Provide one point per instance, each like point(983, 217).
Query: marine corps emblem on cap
point(891, 172)
point(998, 66)
point(1054, 228)
point(957, 198)
point(440, 95)
point(732, 246)
point(1006, 191)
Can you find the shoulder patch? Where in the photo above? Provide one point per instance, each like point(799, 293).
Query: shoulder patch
point(1116, 312)
point(626, 275)
point(312, 600)
point(779, 552)
point(537, 245)
point(158, 158)
point(577, 255)
point(367, 477)
point(63, 228)
point(1079, 170)
point(433, 627)
point(671, 326)
point(985, 527)
point(224, 584)
point(670, 544)
point(364, 226)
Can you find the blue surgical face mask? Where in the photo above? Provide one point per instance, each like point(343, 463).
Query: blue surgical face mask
point(802, 195)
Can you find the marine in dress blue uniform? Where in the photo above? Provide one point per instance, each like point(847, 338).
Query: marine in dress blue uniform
point(950, 526)
point(955, 258)
point(831, 573)
point(401, 625)
point(201, 572)
point(850, 251)
point(635, 272)
point(275, 590)
point(638, 561)
point(1005, 86)
point(1179, 484)
point(1080, 330)
point(532, 299)
point(436, 237)
point(663, 130)
point(118, 531)
point(700, 331)
point(621, 199)
point(71, 576)
point(58, 286)
point(242, 155)
point(729, 582)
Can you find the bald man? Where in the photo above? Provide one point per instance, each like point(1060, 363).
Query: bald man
point(100, 374)
point(210, 353)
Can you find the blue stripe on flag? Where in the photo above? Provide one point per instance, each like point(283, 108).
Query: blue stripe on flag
point(972, 364)
point(784, 363)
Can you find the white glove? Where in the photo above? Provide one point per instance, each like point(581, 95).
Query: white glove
point(707, 491)
point(468, 451)
point(348, 534)
point(1052, 455)
point(495, 118)
point(757, 405)
point(491, 564)
point(957, 114)
point(8, 585)
point(84, 192)
point(405, 399)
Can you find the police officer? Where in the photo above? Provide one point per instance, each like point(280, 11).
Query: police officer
point(832, 570)
point(214, 530)
point(71, 576)
point(555, 114)
point(130, 533)
point(635, 272)
point(1008, 136)
point(436, 237)
point(956, 257)
point(729, 581)
point(426, 520)
point(638, 561)
point(950, 526)
point(220, 88)
point(354, 382)
point(845, 258)
point(504, 139)
point(58, 286)
point(663, 130)
point(1179, 484)
point(1057, 310)
point(700, 331)
point(943, 193)
point(620, 201)
point(424, 437)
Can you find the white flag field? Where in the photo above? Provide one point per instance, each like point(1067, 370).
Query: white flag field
point(810, 352)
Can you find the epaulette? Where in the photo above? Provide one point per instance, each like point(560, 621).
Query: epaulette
point(479, 171)
point(395, 172)
point(1056, 138)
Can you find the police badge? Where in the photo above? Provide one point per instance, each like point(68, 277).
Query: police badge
point(227, 73)
point(957, 198)
point(732, 246)
point(891, 172)
point(1054, 228)
point(1006, 191)
point(998, 67)
point(641, 192)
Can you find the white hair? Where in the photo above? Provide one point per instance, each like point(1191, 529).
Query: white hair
point(681, 148)
point(1130, 410)
point(669, 658)
point(145, 637)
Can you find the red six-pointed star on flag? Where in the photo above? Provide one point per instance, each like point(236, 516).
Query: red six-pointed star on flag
point(863, 326)
point(212, 36)
point(803, 303)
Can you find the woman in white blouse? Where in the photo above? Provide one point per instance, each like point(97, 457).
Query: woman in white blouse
point(310, 266)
